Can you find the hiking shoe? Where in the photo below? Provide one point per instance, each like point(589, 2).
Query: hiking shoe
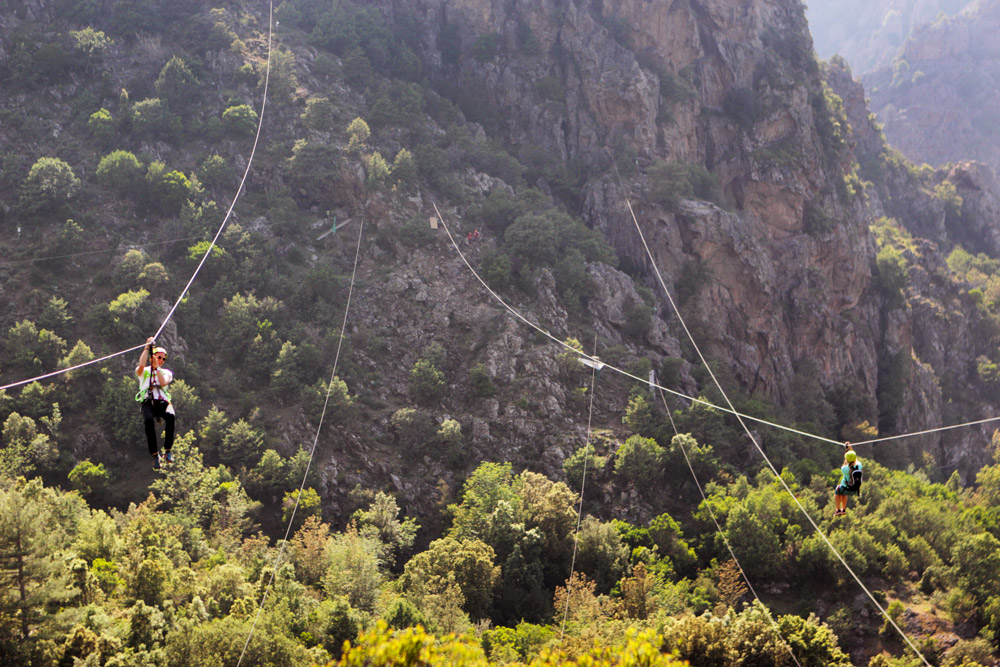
point(168, 457)
point(156, 462)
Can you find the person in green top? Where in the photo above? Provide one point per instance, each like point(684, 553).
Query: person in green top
point(850, 480)
point(155, 400)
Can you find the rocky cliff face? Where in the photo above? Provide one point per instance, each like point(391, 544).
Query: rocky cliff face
point(773, 293)
point(938, 100)
point(870, 34)
point(778, 273)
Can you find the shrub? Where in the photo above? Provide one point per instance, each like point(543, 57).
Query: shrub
point(427, 383)
point(240, 120)
point(50, 183)
point(638, 460)
point(358, 134)
point(152, 120)
point(87, 477)
point(176, 83)
point(215, 172)
point(101, 125)
point(320, 113)
point(120, 172)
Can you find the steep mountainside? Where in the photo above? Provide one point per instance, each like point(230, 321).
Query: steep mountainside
point(755, 190)
point(937, 101)
point(429, 196)
point(869, 35)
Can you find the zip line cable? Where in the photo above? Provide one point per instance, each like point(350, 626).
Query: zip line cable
point(18, 262)
point(513, 311)
point(208, 251)
point(718, 528)
point(583, 486)
point(774, 470)
point(312, 450)
point(663, 390)
point(731, 410)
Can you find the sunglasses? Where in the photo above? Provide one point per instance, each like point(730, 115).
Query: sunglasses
point(160, 356)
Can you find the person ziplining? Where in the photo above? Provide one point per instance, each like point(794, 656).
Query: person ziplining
point(850, 480)
point(155, 400)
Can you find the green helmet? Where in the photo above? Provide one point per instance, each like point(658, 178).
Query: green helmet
point(851, 457)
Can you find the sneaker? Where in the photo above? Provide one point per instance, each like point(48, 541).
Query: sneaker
point(156, 462)
point(168, 457)
point(840, 513)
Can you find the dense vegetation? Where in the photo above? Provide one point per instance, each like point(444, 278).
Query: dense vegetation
point(102, 563)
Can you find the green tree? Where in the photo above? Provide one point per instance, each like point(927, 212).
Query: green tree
point(283, 80)
point(304, 504)
point(215, 172)
point(426, 382)
point(669, 183)
point(151, 119)
point(50, 183)
point(358, 134)
point(88, 478)
point(532, 238)
point(29, 347)
point(241, 444)
point(176, 83)
point(32, 575)
point(484, 490)
point(377, 168)
point(380, 521)
point(102, 126)
point(128, 315)
point(404, 169)
point(121, 172)
point(169, 191)
point(601, 554)
point(638, 460)
point(320, 113)
point(240, 121)
point(465, 563)
point(24, 447)
point(354, 568)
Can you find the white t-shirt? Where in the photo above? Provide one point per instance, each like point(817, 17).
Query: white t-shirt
point(159, 393)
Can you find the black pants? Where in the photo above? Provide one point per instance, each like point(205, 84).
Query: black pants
point(151, 410)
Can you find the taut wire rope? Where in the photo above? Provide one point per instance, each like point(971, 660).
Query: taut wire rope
point(312, 450)
point(18, 262)
point(662, 390)
point(770, 465)
point(730, 410)
point(513, 311)
point(718, 529)
point(208, 251)
point(583, 486)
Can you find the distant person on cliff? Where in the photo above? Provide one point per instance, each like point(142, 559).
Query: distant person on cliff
point(155, 400)
point(850, 480)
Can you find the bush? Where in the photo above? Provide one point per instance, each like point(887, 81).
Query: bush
point(669, 183)
point(86, 477)
point(152, 120)
point(50, 183)
point(320, 113)
point(638, 460)
point(240, 121)
point(101, 125)
point(215, 172)
point(426, 382)
point(120, 172)
point(176, 83)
